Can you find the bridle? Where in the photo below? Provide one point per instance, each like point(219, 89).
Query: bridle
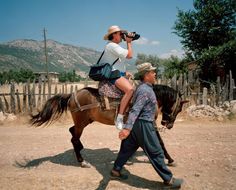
point(173, 113)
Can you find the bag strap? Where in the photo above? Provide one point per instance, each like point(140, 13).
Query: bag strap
point(101, 58)
point(115, 61)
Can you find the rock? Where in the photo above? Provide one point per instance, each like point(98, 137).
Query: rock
point(2, 116)
point(11, 117)
point(233, 108)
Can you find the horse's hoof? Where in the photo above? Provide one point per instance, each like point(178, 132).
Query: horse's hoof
point(84, 164)
point(172, 164)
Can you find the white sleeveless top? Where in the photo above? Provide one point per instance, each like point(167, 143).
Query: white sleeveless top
point(111, 53)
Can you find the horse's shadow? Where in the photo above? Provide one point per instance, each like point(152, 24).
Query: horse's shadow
point(101, 159)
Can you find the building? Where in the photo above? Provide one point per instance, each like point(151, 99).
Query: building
point(53, 76)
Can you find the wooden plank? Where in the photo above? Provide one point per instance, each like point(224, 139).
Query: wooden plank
point(218, 91)
point(24, 98)
point(39, 103)
point(29, 97)
point(18, 101)
point(230, 86)
point(6, 104)
point(173, 82)
point(55, 91)
point(49, 89)
point(12, 98)
point(33, 95)
point(2, 109)
point(226, 89)
point(204, 96)
point(44, 91)
point(71, 89)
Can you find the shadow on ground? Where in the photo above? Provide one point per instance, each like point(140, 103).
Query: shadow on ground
point(101, 160)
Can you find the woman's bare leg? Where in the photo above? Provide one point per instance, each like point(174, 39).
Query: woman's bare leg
point(124, 85)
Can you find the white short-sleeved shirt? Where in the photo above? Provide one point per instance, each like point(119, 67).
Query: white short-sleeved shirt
point(111, 53)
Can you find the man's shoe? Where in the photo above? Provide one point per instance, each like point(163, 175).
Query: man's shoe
point(118, 175)
point(174, 183)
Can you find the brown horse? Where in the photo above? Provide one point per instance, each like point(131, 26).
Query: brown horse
point(85, 107)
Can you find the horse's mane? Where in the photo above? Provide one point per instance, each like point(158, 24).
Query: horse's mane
point(165, 94)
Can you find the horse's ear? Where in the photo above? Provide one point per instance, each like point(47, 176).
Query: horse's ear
point(184, 102)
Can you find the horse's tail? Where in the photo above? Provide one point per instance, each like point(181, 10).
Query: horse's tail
point(53, 109)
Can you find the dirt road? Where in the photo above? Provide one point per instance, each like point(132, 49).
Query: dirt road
point(43, 158)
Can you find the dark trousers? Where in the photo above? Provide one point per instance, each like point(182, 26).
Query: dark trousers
point(143, 135)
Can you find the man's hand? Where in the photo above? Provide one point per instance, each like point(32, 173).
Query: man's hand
point(124, 133)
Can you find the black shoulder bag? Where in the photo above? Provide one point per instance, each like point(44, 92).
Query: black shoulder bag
point(103, 71)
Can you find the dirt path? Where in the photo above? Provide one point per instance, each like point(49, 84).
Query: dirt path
point(43, 158)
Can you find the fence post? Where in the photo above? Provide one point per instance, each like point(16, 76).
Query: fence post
point(39, 94)
point(33, 95)
point(44, 91)
point(6, 103)
point(185, 86)
point(204, 96)
point(55, 91)
point(230, 86)
point(49, 88)
point(18, 101)
point(213, 98)
point(218, 91)
point(76, 88)
point(226, 89)
point(29, 97)
point(66, 88)
point(63, 89)
point(1, 105)
point(12, 99)
point(71, 89)
point(173, 82)
point(180, 83)
point(199, 98)
point(24, 97)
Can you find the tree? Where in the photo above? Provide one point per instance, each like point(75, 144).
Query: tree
point(172, 66)
point(167, 67)
point(208, 30)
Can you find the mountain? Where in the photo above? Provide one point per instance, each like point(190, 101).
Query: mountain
point(30, 54)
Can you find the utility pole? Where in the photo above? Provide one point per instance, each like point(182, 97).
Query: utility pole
point(46, 59)
point(45, 51)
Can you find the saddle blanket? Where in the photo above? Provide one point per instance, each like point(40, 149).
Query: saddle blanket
point(106, 88)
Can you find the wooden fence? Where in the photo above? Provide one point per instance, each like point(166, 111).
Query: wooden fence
point(26, 98)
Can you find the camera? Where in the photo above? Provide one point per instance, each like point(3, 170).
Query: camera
point(132, 35)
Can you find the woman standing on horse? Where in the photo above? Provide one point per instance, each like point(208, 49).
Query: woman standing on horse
point(113, 51)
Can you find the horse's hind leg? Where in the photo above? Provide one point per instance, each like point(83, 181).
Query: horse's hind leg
point(78, 146)
point(76, 132)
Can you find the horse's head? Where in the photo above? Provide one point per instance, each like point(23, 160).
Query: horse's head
point(171, 103)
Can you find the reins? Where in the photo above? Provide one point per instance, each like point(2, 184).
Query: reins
point(171, 115)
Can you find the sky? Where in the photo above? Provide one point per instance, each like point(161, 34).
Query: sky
point(85, 22)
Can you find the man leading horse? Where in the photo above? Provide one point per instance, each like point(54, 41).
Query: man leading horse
point(139, 130)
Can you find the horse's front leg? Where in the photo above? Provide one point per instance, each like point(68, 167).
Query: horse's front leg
point(78, 146)
point(167, 156)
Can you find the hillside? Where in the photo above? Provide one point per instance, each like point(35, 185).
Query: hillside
point(29, 54)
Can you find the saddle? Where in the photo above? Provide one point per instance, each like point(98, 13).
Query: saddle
point(110, 95)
